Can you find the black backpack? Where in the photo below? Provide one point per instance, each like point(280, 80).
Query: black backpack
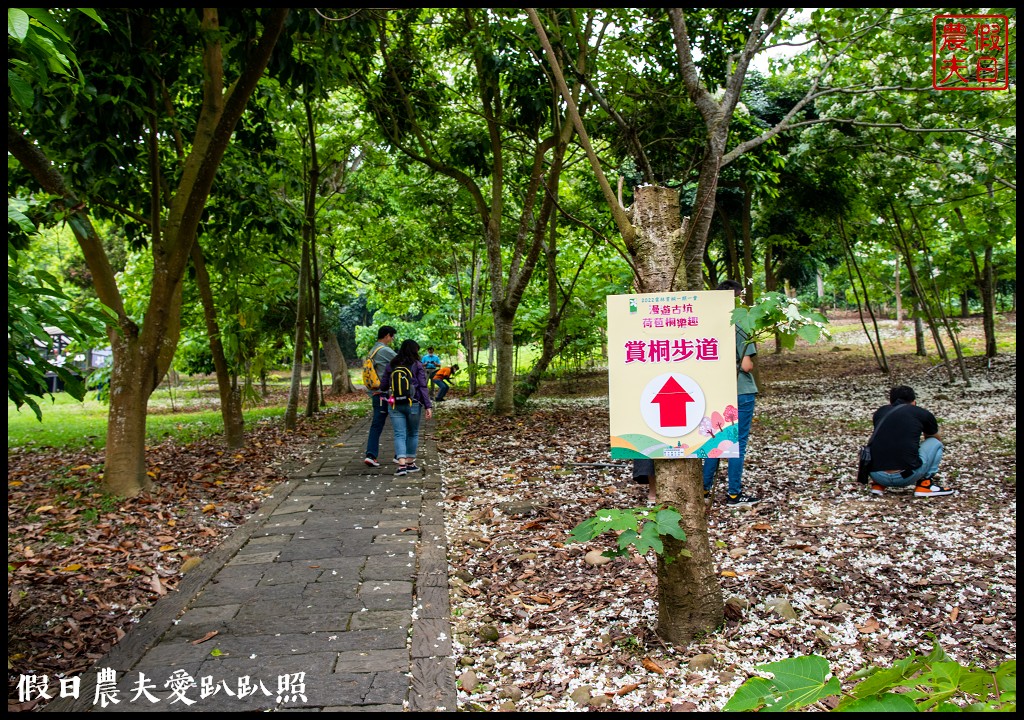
point(402, 385)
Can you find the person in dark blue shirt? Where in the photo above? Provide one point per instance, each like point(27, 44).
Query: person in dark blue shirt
point(431, 364)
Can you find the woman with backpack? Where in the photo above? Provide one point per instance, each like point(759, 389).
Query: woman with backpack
point(405, 385)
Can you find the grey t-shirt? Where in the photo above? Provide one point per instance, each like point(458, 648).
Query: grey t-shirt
point(745, 384)
point(380, 360)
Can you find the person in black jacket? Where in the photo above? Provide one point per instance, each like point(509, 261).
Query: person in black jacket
point(899, 458)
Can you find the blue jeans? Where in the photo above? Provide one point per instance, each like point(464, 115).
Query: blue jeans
point(443, 384)
point(745, 416)
point(380, 416)
point(405, 421)
point(930, 454)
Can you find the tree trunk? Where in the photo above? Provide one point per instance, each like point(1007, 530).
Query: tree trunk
point(504, 381)
point(295, 389)
point(469, 304)
point(983, 278)
point(940, 303)
point(556, 305)
point(477, 291)
point(920, 348)
point(851, 265)
point(313, 396)
point(658, 250)
point(312, 273)
point(490, 359)
point(732, 269)
point(748, 247)
point(904, 246)
point(771, 284)
point(689, 594)
point(550, 347)
point(690, 597)
point(227, 388)
point(899, 296)
point(988, 295)
point(341, 380)
point(124, 465)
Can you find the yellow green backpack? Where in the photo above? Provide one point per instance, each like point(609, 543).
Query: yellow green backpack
point(401, 385)
point(370, 378)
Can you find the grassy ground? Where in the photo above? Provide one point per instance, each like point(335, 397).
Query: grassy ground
point(185, 411)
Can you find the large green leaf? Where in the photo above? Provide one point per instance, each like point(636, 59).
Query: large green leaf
point(17, 24)
point(647, 540)
point(668, 521)
point(796, 683)
point(888, 702)
point(750, 696)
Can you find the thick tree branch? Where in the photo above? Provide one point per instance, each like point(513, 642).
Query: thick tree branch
point(50, 180)
point(619, 214)
point(210, 144)
point(699, 95)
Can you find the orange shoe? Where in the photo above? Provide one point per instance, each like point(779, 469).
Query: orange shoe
point(926, 487)
point(877, 489)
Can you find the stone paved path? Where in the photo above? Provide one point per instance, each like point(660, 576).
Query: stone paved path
point(333, 597)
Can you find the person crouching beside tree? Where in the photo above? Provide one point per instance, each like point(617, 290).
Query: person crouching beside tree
point(899, 457)
point(443, 379)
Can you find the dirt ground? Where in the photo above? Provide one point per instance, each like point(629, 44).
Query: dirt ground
point(819, 566)
point(869, 579)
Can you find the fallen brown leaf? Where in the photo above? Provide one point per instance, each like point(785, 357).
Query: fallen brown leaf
point(207, 636)
point(653, 666)
point(158, 586)
point(684, 706)
point(870, 626)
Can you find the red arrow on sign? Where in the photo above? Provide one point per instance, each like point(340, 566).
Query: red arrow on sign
point(673, 400)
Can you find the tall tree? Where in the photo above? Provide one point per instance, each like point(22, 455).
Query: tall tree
point(93, 151)
point(666, 253)
point(505, 152)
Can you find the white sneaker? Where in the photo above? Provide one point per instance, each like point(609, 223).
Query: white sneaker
point(371, 462)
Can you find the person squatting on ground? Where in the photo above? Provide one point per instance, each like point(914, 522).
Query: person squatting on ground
point(899, 458)
point(746, 393)
point(380, 354)
point(443, 378)
point(431, 363)
point(405, 384)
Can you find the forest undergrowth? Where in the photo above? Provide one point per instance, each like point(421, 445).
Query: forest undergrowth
point(818, 567)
